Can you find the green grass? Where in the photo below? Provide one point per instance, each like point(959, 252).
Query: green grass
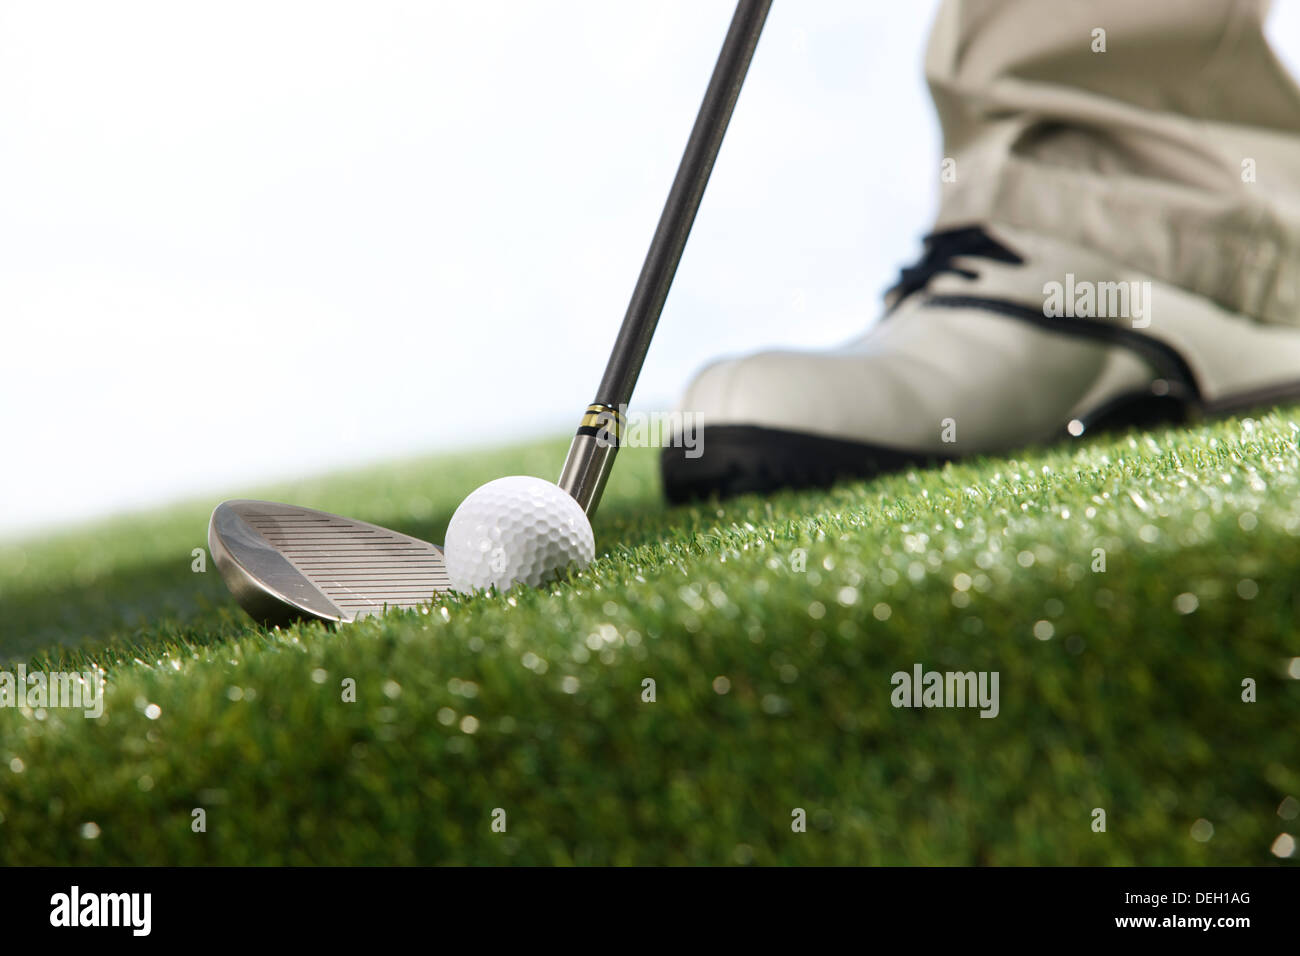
point(1119, 690)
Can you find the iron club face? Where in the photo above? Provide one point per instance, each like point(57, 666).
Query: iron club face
point(285, 563)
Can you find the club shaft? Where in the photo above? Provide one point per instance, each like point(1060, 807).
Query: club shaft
point(592, 453)
point(683, 201)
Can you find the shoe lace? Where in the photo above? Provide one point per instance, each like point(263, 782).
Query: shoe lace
point(941, 248)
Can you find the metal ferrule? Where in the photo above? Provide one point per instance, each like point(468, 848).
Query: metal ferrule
point(591, 456)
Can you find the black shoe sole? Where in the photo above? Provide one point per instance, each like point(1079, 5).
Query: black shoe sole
point(739, 459)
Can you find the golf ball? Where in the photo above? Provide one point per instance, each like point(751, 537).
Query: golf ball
point(515, 529)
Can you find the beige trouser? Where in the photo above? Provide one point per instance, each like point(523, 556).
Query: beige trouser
point(1177, 150)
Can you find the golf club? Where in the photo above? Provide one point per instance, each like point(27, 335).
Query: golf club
point(283, 562)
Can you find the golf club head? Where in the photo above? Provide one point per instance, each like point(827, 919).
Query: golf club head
point(284, 563)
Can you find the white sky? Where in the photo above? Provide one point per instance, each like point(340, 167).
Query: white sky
point(242, 241)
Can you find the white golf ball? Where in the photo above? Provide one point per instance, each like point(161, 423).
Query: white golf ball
point(516, 529)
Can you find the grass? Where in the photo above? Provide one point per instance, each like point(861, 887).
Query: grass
point(770, 627)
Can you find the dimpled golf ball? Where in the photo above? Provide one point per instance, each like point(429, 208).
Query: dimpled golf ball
point(513, 530)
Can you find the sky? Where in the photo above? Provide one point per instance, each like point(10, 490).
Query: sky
point(241, 242)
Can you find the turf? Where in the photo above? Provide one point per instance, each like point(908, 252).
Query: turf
point(770, 628)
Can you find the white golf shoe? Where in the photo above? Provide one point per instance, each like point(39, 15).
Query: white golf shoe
point(995, 340)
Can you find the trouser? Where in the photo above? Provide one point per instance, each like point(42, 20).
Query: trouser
point(1164, 133)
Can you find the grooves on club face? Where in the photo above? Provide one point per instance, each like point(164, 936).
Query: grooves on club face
point(285, 563)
